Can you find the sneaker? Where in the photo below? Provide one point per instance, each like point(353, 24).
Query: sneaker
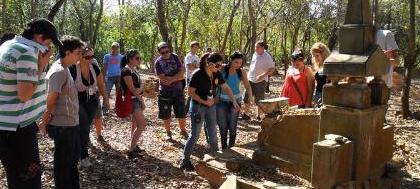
point(245, 117)
point(85, 163)
point(188, 166)
point(184, 134)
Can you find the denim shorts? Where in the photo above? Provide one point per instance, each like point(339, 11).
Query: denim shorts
point(137, 105)
point(169, 99)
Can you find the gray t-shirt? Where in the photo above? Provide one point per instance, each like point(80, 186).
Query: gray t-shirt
point(66, 111)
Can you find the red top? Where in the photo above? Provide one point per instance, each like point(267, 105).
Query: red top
point(289, 89)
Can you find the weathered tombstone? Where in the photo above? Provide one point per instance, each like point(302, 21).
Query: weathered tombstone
point(356, 109)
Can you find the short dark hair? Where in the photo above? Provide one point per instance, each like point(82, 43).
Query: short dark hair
point(44, 27)
point(70, 43)
point(7, 36)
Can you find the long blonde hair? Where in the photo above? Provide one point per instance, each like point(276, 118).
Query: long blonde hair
point(319, 48)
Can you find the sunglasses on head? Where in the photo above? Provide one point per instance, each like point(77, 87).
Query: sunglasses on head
point(165, 52)
point(89, 57)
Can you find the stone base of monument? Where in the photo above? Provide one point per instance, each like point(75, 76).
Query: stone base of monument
point(287, 141)
point(216, 167)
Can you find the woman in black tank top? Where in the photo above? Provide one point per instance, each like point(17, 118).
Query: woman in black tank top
point(319, 52)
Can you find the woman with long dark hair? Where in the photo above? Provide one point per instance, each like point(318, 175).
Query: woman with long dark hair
point(131, 80)
point(227, 116)
point(89, 81)
point(202, 89)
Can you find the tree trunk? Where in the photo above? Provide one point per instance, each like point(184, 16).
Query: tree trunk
point(187, 8)
point(54, 10)
point(229, 27)
point(82, 25)
point(34, 5)
point(63, 19)
point(3, 14)
point(409, 61)
point(161, 21)
point(121, 4)
point(253, 24)
point(98, 23)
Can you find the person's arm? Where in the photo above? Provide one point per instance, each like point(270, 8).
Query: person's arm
point(311, 86)
point(46, 117)
point(102, 89)
point(181, 73)
point(196, 97)
point(56, 82)
point(106, 62)
point(130, 85)
point(229, 92)
point(247, 85)
point(29, 71)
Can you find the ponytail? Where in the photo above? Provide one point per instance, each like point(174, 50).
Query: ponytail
point(126, 58)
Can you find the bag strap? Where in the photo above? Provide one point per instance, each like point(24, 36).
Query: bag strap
point(297, 89)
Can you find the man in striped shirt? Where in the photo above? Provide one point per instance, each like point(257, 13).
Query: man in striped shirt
point(22, 101)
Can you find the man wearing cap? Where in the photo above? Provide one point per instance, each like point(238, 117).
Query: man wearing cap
point(170, 71)
point(112, 70)
point(262, 65)
point(22, 101)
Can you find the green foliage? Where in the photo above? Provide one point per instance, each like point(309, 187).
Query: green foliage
point(284, 24)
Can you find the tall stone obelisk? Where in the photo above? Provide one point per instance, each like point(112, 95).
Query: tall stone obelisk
point(355, 109)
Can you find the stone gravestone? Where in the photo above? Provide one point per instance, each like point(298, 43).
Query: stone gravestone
point(354, 109)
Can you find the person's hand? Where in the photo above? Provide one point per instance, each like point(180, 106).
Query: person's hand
point(209, 102)
point(42, 126)
point(236, 106)
point(167, 81)
point(44, 59)
point(106, 103)
point(260, 77)
point(251, 100)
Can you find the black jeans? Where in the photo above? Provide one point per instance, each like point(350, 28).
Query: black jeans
point(19, 155)
point(87, 111)
point(66, 156)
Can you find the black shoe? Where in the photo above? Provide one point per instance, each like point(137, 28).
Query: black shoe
point(100, 139)
point(246, 117)
point(258, 118)
point(133, 154)
point(188, 166)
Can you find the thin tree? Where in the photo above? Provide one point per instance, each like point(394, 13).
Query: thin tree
point(409, 61)
point(235, 7)
point(161, 21)
point(54, 10)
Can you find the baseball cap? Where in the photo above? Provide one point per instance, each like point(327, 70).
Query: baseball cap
point(162, 45)
point(47, 28)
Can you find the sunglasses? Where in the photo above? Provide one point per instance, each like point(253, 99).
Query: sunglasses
point(89, 57)
point(216, 65)
point(165, 52)
point(298, 59)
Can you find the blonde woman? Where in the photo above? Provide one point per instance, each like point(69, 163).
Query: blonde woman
point(319, 52)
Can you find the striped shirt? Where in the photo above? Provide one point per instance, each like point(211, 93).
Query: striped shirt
point(19, 63)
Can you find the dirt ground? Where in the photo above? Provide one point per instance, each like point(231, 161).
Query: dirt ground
point(158, 165)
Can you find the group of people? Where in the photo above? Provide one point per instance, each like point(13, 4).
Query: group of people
point(63, 101)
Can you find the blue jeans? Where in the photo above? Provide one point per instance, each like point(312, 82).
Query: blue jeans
point(227, 119)
point(110, 82)
point(199, 115)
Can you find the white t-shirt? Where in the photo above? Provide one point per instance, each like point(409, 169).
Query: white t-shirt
point(259, 65)
point(191, 59)
point(386, 40)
